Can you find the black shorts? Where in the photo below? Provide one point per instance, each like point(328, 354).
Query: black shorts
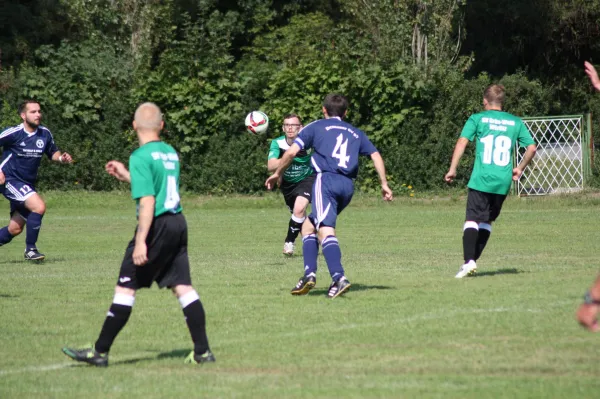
point(168, 262)
point(483, 207)
point(291, 191)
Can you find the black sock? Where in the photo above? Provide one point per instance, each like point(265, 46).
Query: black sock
point(482, 239)
point(469, 243)
point(294, 229)
point(115, 320)
point(196, 322)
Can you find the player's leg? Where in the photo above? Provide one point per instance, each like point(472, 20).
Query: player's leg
point(116, 318)
point(334, 194)
point(485, 228)
point(37, 208)
point(477, 210)
point(131, 278)
point(15, 225)
point(196, 321)
point(310, 252)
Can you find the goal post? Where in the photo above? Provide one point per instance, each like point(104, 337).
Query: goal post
point(563, 160)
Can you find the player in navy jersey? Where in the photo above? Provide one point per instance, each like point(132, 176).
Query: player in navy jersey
point(336, 146)
point(23, 148)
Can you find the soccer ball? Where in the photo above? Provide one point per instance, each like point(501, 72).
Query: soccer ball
point(257, 122)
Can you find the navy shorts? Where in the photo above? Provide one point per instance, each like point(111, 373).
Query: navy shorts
point(17, 192)
point(331, 194)
point(168, 262)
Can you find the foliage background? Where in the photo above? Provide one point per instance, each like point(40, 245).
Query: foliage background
point(414, 70)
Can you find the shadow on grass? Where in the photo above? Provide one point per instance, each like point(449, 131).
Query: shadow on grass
point(174, 354)
point(499, 271)
point(353, 288)
point(8, 296)
point(56, 259)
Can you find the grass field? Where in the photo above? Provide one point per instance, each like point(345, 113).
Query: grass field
point(406, 329)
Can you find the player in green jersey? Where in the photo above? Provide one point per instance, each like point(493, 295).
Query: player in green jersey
point(297, 180)
point(588, 310)
point(158, 251)
point(495, 133)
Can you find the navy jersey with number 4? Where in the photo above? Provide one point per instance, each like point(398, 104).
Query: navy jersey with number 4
point(22, 152)
point(337, 145)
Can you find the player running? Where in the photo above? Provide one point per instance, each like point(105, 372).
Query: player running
point(23, 148)
point(496, 133)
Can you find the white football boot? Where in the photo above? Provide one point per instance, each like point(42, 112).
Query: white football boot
point(288, 248)
point(468, 269)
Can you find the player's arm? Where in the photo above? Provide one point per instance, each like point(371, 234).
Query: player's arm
point(527, 157)
point(284, 162)
point(118, 170)
point(459, 150)
point(591, 72)
point(62, 157)
point(145, 217)
point(380, 168)
point(273, 158)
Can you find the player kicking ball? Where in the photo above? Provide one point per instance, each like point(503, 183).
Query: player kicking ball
point(336, 147)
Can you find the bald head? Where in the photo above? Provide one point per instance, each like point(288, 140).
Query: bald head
point(148, 117)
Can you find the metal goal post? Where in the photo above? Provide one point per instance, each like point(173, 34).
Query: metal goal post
point(563, 160)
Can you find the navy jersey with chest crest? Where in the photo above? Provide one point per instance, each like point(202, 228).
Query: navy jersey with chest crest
point(337, 145)
point(22, 152)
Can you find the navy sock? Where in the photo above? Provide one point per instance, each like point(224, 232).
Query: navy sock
point(333, 257)
point(117, 317)
point(34, 223)
point(310, 251)
point(5, 236)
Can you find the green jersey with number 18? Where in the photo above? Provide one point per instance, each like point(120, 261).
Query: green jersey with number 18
point(154, 169)
point(496, 133)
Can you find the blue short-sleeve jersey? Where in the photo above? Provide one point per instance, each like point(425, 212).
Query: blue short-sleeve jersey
point(337, 145)
point(22, 152)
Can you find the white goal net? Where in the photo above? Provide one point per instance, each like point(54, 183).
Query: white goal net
point(563, 158)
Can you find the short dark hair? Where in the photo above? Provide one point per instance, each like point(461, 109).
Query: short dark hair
point(288, 116)
point(494, 94)
point(24, 104)
point(335, 105)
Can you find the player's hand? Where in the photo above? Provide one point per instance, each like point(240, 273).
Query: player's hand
point(449, 177)
point(386, 192)
point(271, 181)
point(2, 178)
point(591, 72)
point(118, 170)
point(65, 157)
point(140, 254)
point(517, 172)
point(586, 315)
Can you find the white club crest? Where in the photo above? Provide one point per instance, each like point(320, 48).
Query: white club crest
point(40, 143)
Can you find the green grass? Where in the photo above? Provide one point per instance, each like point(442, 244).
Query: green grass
point(406, 329)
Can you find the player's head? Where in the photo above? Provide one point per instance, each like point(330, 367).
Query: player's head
point(30, 113)
point(335, 105)
point(291, 125)
point(493, 96)
point(148, 118)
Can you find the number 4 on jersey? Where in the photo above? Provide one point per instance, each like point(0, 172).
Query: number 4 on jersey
point(340, 150)
point(172, 199)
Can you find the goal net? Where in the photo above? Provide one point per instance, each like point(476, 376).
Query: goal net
point(563, 159)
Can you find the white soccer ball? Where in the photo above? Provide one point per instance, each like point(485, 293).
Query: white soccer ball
point(257, 122)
